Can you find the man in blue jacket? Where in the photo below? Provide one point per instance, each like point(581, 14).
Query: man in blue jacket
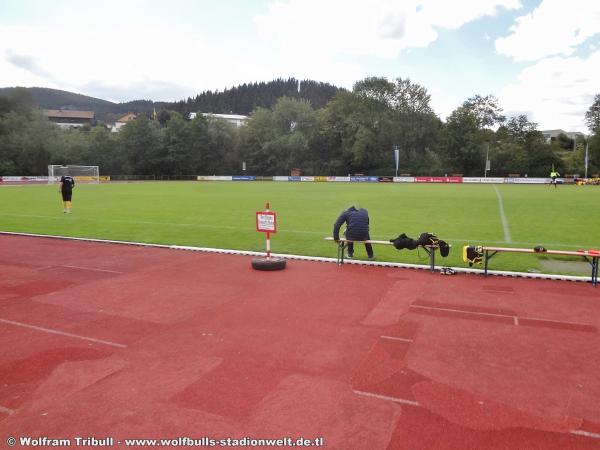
point(357, 229)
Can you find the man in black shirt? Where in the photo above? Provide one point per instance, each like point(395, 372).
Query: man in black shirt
point(357, 229)
point(67, 183)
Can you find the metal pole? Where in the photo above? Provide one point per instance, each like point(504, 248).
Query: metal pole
point(586, 157)
point(487, 159)
point(268, 236)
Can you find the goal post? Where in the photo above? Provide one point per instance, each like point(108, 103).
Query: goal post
point(81, 174)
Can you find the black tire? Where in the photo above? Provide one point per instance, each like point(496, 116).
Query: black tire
point(268, 263)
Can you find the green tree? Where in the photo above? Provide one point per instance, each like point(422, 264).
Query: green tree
point(531, 153)
point(463, 144)
point(140, 141)
point(254, 139)
point(592, 115)
point(486, 110)
point(26, 141)
point(220, 154)
point(104, 151)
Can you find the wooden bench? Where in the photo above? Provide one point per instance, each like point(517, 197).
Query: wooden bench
point(591, 256)
point(343, 244)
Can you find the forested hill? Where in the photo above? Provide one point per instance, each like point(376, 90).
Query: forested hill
point(243, 99)
point(238, 100)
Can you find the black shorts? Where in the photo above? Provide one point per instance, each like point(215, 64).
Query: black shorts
point(66, 195)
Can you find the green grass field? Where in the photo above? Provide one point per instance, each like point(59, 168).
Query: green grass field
point(222, 215)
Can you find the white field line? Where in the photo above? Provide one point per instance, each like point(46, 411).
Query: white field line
point(283, 230)
point(507, 238)
point(61, 333)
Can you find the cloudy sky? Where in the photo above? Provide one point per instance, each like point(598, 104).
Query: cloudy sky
point(538, 57)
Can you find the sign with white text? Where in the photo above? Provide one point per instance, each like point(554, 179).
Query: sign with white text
point(266, 222)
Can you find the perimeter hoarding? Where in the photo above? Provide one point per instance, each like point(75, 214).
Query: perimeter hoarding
point(438, 179)
point(483, 180)
point(404, 179)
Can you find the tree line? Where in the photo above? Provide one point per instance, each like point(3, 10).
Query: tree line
point(353, 132)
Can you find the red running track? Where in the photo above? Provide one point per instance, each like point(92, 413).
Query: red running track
point(124, 341)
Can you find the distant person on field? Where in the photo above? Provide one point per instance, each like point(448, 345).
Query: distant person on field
point(554, 174)
point(357, 229)
point(67, 183)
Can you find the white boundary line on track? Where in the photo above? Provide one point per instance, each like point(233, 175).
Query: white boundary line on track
point(306, 258)
point(287, 230)
point(507, 237)
point(61, 333)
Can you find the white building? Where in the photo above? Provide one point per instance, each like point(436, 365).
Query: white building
point(234, 119)
point(551, 135)
point(122, 121)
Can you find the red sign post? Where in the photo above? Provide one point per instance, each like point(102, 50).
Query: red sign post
point(266, 222)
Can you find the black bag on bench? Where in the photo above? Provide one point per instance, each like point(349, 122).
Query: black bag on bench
point(403, 241)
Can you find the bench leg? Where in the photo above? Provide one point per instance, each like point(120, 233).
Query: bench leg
point(485, 268)
point(340, 255)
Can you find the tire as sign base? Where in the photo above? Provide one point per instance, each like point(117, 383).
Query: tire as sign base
point(268, 263)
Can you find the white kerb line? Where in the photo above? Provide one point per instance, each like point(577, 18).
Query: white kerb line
point(507, 238)
point(62, 333)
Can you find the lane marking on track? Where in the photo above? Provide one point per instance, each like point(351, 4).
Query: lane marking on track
point(515, 318)
point(386, 397)
point(586, 434)
point(5, 410)
point(95, 269)
point(507, 237)
point(394, 338)
point(62, 333)
point(404, 401)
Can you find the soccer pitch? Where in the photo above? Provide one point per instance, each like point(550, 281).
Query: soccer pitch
point(222, 215)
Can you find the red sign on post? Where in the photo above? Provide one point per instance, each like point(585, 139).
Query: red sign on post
point(266, 222)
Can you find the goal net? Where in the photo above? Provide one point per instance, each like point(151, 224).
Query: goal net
point(81, 174)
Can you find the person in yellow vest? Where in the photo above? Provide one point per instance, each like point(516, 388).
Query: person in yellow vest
point(554, 174)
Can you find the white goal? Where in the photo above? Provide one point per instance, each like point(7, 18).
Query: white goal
point(81, 174)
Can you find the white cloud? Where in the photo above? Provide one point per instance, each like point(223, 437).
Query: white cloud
point(381, 28)
point(135, 61)
point(558, 90)
point(553, 28)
